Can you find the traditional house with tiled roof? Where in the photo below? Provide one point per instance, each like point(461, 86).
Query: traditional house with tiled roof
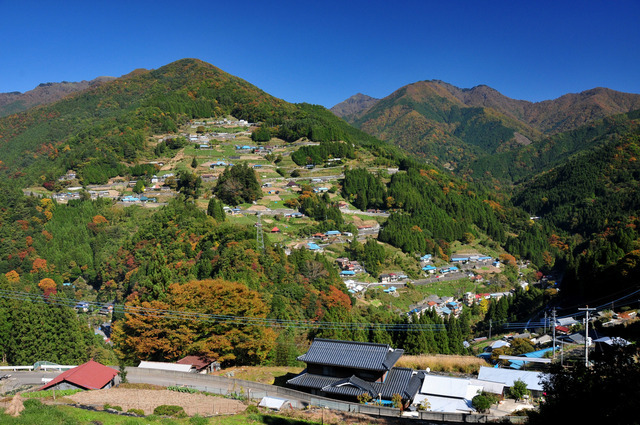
point(346, 369)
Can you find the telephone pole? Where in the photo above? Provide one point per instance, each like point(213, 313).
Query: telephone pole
point(259, 234)
point(553, 315)
point(586, 334)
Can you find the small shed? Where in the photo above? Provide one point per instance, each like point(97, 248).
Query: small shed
point(275, 403)
point(275, 230)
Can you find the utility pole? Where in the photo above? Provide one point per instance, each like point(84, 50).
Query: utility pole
point(553, 314)
point(259, 234)
point(586, 334)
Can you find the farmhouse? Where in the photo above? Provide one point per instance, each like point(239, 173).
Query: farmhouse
point(346, 369)
point(88, 376)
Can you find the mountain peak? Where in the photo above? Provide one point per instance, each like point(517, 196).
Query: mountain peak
point(354, 106)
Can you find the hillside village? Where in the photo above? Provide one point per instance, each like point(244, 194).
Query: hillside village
point(444, 286)
point(216, 144)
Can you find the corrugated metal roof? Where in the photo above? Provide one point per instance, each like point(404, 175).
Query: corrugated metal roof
point(358, 355)
point(165, 366)
point(509, 376)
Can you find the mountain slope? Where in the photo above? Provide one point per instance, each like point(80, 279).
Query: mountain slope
point(519, 164)
point(99, 129)
point(456, 127)
point(354, 107)
point(594, 196)
point(427, 119)
point(45, 93)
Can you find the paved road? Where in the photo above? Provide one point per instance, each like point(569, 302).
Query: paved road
point(24, 378)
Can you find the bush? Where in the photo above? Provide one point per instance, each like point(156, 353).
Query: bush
point(483, 402)
point(252, 409)
point(138, 412)
point(519, 389)
point(364, 398)
point(170, 410)
point(108, 406)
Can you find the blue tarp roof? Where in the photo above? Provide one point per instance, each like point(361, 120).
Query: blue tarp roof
point(517, 364)
point(313, 246)
point(429, 267)
point(348, 272)
point(332, 232)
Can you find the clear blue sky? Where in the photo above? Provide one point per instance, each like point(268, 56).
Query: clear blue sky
point(325, 51)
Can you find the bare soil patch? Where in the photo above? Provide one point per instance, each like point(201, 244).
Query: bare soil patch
point(147, 400)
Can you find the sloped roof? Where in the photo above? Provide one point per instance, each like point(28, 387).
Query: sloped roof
point(396, 382)
point(165, 366)
point(446, 386)
point(90, 375)
point(196, 361)
point(509, 376)
point(358, 355)
point(444, 404)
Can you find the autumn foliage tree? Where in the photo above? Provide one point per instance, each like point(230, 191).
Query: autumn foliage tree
point(170, 336)
point(48, 286)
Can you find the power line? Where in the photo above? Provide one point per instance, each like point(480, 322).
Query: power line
point(224, 319)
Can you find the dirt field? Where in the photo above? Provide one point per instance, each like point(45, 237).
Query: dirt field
point(148, 400)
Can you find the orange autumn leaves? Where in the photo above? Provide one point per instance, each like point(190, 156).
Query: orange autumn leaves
point(167, 337)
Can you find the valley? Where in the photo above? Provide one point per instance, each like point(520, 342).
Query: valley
point(189, 213)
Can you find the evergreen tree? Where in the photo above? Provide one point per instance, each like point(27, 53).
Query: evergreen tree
point(215, 209)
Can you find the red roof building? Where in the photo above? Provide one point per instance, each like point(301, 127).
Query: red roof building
point(200, 364)
point(275, 230)
point(88, 376)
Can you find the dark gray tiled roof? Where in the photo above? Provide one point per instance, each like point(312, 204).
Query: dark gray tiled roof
point(359, 355)
point(397, 382)
point(415, 383)
point(309, 380)
point(353, 386)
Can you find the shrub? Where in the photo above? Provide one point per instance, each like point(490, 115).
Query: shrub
point(519, 389)
point(138, 412)
point(483, 402)
point(170, 410)
point(396, 399)
point(364, 398)
point(108, 406)
point(251, 409)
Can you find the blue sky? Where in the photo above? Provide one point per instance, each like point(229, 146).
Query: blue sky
point(325, 51)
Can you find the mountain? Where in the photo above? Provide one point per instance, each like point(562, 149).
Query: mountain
point(429, 120)
point(45, 93)
point(354, 107)
point(98, 130)
point(454, 126)
point(593, 196)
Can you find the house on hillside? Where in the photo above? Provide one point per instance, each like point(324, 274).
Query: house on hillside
point(448, 394)
point(88, 376)
point(347, 369)
point(200, 364)
point(507, 377)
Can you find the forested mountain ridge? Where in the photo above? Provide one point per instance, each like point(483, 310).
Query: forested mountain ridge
point(593, 196)
point(522, 163)
point(454, 127)
point(98, 130)
point(14, 102)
